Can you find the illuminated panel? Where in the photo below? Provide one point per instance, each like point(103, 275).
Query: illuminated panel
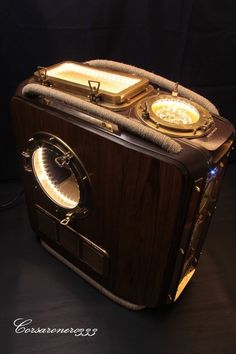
point(79, 74)
point(64, 193)
point(175, 112)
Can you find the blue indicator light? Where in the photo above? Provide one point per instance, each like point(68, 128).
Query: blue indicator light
point(213, 171)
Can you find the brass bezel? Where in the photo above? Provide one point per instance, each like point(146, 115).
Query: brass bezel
point(119, 98)
point(194, 130)
point(50, 141)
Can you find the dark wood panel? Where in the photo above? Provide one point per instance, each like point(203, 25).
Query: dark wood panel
point(139, 201)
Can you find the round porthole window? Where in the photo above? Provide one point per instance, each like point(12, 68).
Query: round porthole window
point(175, 116)
point(175, 111)
point(59, 172)
point(58, 182)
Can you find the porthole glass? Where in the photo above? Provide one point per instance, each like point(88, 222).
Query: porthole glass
point(57, 181)
point(175, 112)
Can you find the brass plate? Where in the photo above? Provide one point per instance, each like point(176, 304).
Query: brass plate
point(184, 282)
point(113, 87)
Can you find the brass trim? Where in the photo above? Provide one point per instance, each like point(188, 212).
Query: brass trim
point(202, 127)
point(43, 74)
point(67, 159)
point(184, 282)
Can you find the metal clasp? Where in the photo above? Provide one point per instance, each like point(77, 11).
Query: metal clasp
point(42, 73)
point(145, 113)
point(204, 127)
point(27, 165)
point(175, 92)
point(63, 160)
point(67, 219)
point(94, 95)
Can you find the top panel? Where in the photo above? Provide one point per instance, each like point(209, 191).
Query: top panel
point(82, 79)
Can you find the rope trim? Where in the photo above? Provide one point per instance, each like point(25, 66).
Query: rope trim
point(157, 80)
point(136, 128)
point(104, 291)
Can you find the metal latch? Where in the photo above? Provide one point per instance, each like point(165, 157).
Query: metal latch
point(27, 165)
point(42, 73)
point(145, 113)
point(94, 95)
point(204, 127)
point(67, 219)
point(175, 92)
point(64, 160)
point(80, 212)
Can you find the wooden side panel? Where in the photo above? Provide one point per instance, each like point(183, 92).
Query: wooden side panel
point(137, 202)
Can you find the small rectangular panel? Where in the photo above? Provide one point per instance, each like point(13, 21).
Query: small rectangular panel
point(69, 240)
point(93, 258)
point(78, 78)
point(47, 225)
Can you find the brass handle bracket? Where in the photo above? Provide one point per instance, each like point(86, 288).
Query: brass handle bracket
point(42, 74)
point(94, 95)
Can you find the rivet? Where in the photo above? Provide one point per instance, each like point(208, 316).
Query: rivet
point(198, 189)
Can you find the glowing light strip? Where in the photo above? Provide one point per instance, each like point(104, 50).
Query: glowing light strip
point(93, 74)
point(44, 178)
point(183, 110)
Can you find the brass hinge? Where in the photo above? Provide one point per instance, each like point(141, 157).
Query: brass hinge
point(42, 74)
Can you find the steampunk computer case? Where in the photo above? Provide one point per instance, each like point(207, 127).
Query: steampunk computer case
point(122, 170)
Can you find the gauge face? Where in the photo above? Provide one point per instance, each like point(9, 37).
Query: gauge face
point(175, 112)
point(57, 181)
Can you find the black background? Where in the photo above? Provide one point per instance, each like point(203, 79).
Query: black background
point(192, 42)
